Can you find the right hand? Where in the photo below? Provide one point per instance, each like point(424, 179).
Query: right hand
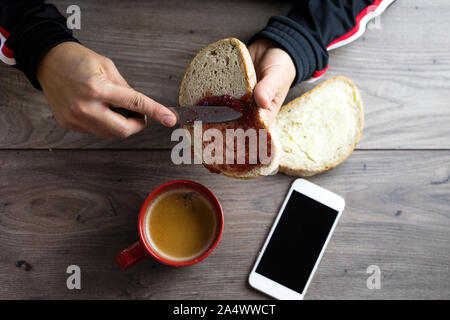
point(275, 70)
point(80, 86)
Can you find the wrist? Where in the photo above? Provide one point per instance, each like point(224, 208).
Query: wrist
point(55, 59)
point(267, 54)
point(35, 44)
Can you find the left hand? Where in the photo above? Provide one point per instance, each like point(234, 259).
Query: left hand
point(81, 85)
point(275, 72)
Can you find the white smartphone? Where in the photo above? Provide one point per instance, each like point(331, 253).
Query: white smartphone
point(286, 264)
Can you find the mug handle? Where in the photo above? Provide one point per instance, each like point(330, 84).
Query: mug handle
point(131, 255)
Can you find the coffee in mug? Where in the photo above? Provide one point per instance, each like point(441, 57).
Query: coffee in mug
point(181, 224)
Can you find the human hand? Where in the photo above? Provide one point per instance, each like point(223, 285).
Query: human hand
point(275, 72)
point(80, 86)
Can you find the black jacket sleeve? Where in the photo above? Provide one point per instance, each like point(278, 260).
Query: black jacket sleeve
point(313, 27)
point(28, 30)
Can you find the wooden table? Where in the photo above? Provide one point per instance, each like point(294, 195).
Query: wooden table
point(68, 198)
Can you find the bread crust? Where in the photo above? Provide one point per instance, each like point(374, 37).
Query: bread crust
point(303, 172)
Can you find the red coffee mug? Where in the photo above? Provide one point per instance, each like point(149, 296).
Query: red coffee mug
point(143, 249)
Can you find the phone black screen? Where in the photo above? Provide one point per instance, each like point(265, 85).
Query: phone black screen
point(296, 242)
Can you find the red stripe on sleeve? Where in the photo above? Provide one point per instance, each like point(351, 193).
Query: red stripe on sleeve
point(4, 32)
point(362, 14)
point(319, 73)
point(7, 52)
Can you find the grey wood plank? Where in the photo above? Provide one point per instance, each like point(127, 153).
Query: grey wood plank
point(80, 207)
point(402, 68)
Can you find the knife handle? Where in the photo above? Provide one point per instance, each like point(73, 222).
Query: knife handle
point(128, 113)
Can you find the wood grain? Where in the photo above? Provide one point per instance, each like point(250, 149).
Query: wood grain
point(402, 68)
point(80, 207)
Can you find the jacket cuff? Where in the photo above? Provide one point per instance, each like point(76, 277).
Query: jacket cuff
point(297, 42)
point(36, 43)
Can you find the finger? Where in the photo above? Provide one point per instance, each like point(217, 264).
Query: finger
point(68, 122)
point(130, 99)
point(112, 72)
point(105, 123)
point(271, 91)
point(115, 76)
point(79, 129)
point(267, 89)
point(119, 126)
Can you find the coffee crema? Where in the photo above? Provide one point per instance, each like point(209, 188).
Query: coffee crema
point(181, 224)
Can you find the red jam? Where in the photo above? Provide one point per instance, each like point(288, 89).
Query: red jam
point(249, 120)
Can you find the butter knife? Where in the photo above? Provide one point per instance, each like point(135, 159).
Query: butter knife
point(189, 114)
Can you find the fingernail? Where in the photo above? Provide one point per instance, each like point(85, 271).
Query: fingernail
point(268, 100)
point(169, 121)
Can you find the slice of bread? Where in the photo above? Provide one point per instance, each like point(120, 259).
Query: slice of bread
point(319, 129)
point(221, 68)
point(226, 68)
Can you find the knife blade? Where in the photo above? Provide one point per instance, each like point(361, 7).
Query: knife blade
point(207, 114)
point(189, 114)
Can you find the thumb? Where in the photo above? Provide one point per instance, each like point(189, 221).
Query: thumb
point(265, 92)
point(271, 90)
